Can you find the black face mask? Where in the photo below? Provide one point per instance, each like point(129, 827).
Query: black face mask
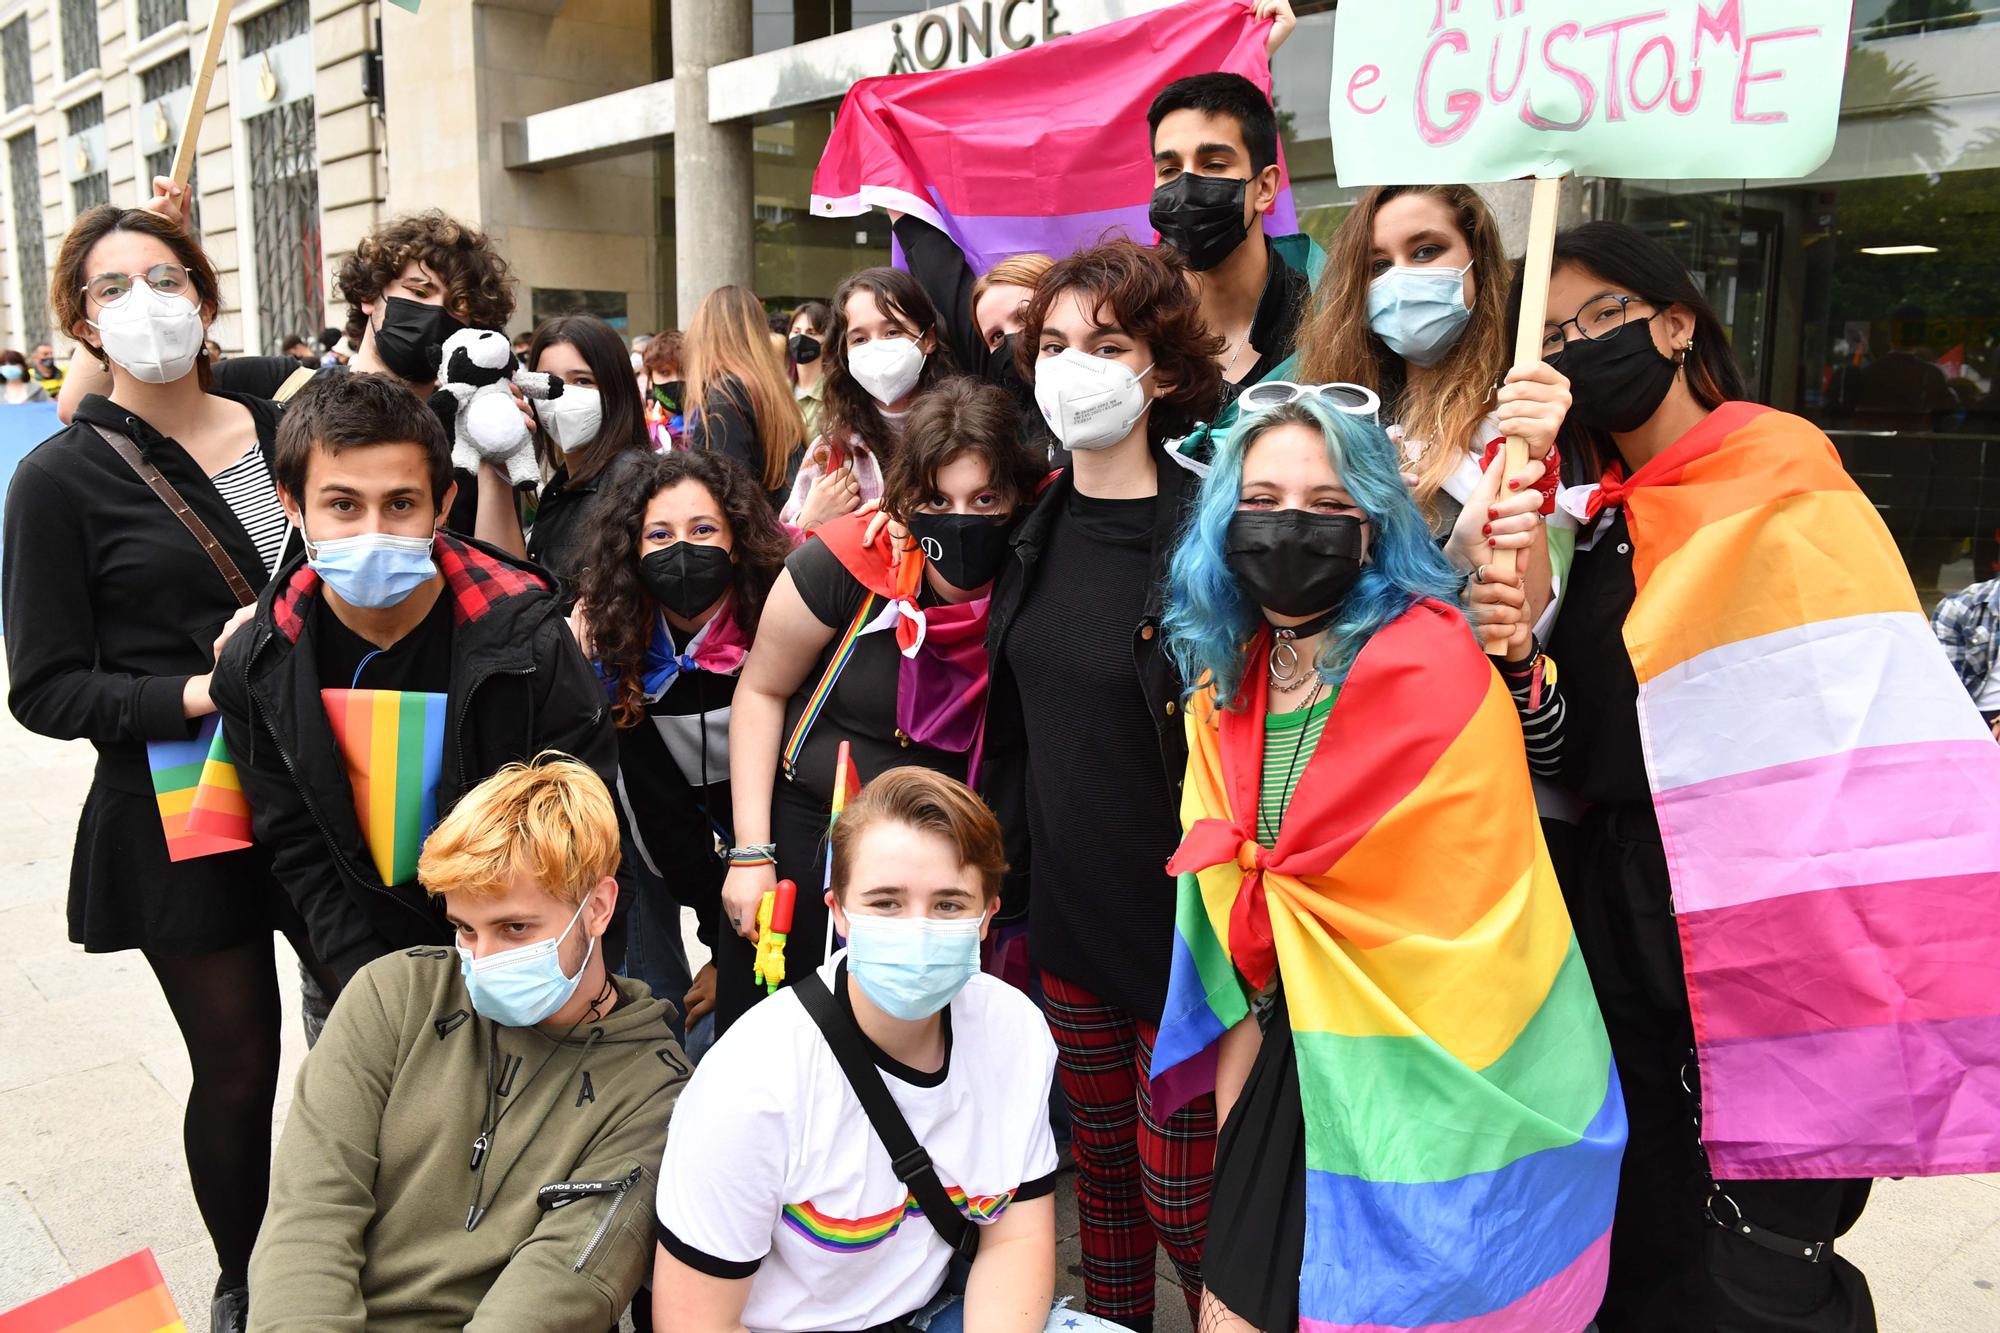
point(966, 550)
point(1201, 216)
point(411, 337)
point(805, 348)
point(1293, 561)
point(670, 393)
point(1616, 383)
point(1002, 369)
point(687, 577)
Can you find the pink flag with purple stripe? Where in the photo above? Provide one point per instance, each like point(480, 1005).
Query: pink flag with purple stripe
point(1829, 802)
point(1043, 149)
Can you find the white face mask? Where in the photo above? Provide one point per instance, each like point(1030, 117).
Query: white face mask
point(156, 338)
point(887, 367)
point(573, 418)
point(1090, 402)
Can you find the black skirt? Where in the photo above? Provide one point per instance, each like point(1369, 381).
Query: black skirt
point(125, 894)
point(1257, 1213)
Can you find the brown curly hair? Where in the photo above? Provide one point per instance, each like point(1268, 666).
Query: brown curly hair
point(615, 602)
point(478, 288)
point(962, 415)
point(1145, 292)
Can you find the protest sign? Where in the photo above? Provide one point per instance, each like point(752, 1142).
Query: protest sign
point(1452, 91)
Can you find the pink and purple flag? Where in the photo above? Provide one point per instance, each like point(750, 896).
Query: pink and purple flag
point(1043, 149)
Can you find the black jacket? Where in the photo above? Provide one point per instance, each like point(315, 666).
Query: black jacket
point(518, 686)
point(110, 604)
point(560, 540)
point(1004, 779)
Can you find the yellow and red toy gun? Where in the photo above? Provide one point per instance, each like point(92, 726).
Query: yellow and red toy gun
point(774, 923)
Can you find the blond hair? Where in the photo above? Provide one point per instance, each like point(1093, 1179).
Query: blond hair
point(928, 801)
point(1013, 271)
point(729, 335)
point(550, 819)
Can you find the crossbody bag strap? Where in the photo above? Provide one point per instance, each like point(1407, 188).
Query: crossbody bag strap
point(122, 446)
point(912, 1164)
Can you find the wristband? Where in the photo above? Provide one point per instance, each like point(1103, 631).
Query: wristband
point(755, 854)
point(1551, 472)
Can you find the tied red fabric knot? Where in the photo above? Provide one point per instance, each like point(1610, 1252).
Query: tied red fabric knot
point(1612, 490)
point(1213, 842)
point(1551, 472)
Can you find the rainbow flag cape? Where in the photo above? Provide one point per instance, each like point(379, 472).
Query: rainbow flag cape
point(1463, 1118)
point(201, 801)
point(1830, 806)
point(393, 742)
point(129, 1296)
point(1043, 149)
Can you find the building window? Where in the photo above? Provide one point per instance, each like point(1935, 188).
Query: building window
point(284, 217)
point(19, 65)
point(24, 169)
point(155, 83)
point(276, 24)
point(157, 14)
point(87, 191)
point(79, 37)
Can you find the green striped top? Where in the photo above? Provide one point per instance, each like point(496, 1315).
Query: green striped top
point(1282, 741)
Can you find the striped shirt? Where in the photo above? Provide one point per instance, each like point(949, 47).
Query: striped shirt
point(246, 487)
point(1289, 742)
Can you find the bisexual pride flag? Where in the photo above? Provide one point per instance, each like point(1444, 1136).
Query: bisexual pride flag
point(1044, 149)
point(1829, 801)
point(393, 744)
point(1463, 1118)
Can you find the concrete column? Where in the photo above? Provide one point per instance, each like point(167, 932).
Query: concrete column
point(712, 194)
point(1510, 200)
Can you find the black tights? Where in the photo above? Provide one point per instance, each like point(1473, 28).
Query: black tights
point(228, 1010)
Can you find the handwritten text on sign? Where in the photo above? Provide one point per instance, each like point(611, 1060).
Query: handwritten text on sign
point(1475, 90)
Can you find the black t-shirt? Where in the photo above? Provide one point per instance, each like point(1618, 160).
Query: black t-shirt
point(1100, 811)
point(1603, 759)
point(419, 662)
point(862, 706)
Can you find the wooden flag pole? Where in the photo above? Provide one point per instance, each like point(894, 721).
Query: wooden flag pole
point(218, 28)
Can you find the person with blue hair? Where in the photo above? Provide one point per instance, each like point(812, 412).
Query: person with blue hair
point(1361, 859)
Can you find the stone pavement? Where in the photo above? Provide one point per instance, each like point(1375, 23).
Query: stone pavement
point(93, 1078)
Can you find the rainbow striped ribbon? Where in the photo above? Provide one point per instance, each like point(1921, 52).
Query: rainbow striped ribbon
point(816, 702)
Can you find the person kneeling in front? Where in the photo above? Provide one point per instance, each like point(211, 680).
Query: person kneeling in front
point(472, 1142)
point(780, 1207)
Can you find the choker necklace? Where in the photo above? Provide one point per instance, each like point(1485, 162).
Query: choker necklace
point(1283, 663)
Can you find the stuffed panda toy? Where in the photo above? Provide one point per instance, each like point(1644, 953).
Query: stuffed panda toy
point(475, 367)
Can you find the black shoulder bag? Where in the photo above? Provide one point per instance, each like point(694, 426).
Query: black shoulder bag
point(912, 1164)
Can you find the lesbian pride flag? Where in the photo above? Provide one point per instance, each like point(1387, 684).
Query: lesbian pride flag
point(393, 743)
point(1830, 806)
point(1043, 149)
point(129, 1296)
point(1463, 1118)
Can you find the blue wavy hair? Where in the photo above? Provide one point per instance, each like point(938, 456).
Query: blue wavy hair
point(1209, 621)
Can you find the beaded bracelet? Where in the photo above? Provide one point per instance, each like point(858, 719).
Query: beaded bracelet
point(755, 854)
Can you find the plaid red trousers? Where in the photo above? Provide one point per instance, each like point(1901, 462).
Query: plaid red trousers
point(1138, 1182)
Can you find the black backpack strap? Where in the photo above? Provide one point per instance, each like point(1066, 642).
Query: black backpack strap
point(912, 1164)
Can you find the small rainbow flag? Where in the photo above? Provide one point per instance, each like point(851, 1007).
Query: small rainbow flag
point(201, 802)
point(1829, 801)
point(1463, 1117)
point(393, 742)
point(129, 1296)
point(846, 786)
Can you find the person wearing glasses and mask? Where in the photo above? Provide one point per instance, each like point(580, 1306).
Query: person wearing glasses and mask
point(1333, 887)
point(390, 667)
point(112, 608)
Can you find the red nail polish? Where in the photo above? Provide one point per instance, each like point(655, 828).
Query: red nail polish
point(1492, 513)
point(1488, 529)
point(1513, 485)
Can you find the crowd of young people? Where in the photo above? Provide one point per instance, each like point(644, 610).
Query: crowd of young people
point(1143, 590)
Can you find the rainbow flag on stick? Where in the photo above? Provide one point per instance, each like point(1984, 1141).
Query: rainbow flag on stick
point(1829, 801)
point(129, 1296)
point(201, 801)
point(1042, 149)
point(846, 786)
point(393, 742)
point(1463, 1118)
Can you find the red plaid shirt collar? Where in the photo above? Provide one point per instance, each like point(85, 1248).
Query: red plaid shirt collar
point(476, 581)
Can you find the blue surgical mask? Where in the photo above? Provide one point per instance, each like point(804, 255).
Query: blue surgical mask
point(519, 988)
point(373, 569)
point(911, 967)
point(11, 373)
point(1419, 312)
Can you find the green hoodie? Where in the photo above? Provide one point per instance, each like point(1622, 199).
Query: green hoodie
point(372, 1186)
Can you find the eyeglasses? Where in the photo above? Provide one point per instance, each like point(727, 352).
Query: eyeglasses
point(1356, 400)
point(167, 279)
point(1599, 317)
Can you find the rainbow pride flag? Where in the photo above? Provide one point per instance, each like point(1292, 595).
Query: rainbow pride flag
point(201, 801)
point(129, 1296)
point(393, 743)
point(1042, 149)
point(1463, 1117)
point(1830, 806)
